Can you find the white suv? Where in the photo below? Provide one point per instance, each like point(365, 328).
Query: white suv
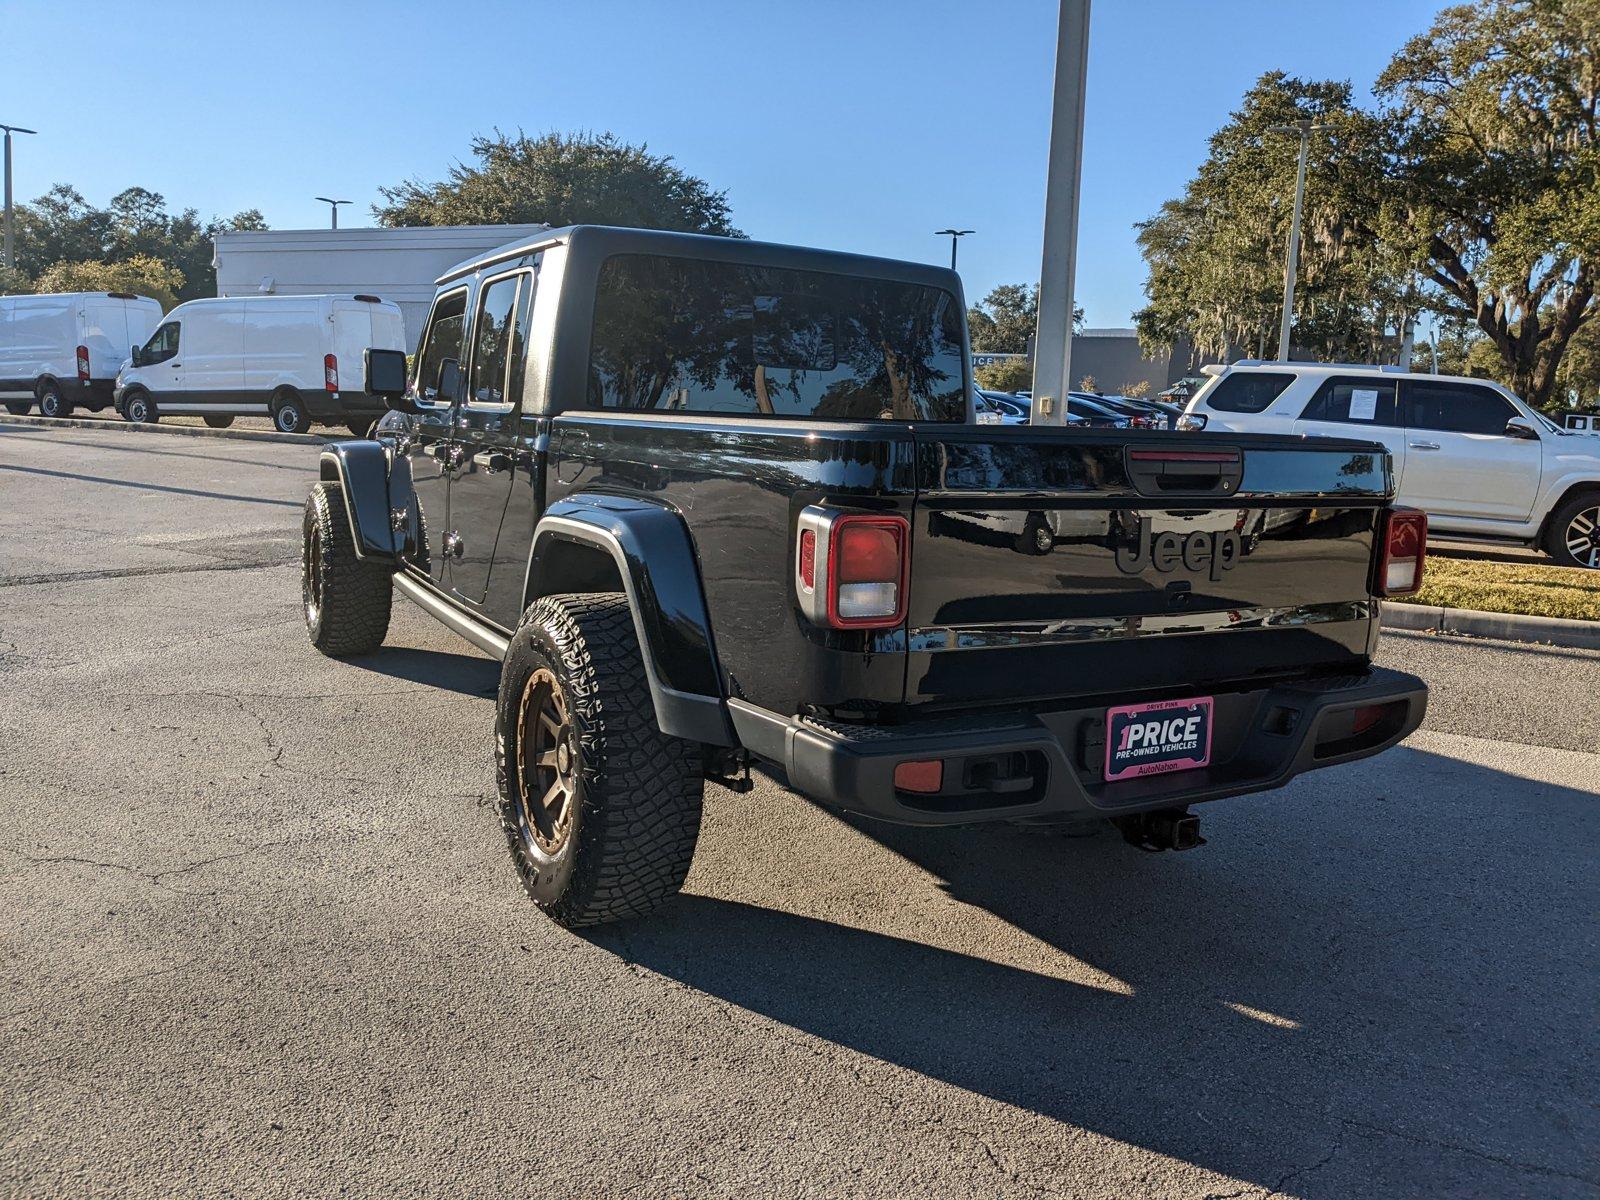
point(1478, 460)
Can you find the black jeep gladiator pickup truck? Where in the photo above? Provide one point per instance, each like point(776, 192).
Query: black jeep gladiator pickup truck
point(712, 501)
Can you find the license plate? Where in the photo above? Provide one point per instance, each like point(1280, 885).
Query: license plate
point(1153, 739)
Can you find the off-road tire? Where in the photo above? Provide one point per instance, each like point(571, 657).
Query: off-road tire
point(52, 402)
point(346, 600)
point(1576, 517)
point(217, 422)
point(289, 413)
point(140, 408)
point(636, 792)
point(19, 408)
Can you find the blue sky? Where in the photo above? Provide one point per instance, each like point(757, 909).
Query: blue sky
point(861, 126)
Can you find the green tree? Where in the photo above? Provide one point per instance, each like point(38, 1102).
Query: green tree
point(562, 179)
point(141, 274)
point(1492, 175)
point(1007, 375)
point(1004, 320)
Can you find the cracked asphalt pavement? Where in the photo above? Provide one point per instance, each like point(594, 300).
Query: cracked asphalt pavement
point(260, 934)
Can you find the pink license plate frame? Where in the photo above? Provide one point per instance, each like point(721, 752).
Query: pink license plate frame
point(1158, 738)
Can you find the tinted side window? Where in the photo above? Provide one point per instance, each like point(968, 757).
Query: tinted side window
point(1353, 402)
point(1456, 408)
point(443, 341)
point(492, 335)
point(1248, 391)
point(163, 343)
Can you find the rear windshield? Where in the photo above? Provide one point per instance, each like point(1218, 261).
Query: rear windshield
point(1248, 391)
point(684, 335)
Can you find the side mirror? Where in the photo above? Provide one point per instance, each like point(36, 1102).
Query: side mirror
point(447, 388)
point(1520, 429)
point(386, 379)
point(133, 356)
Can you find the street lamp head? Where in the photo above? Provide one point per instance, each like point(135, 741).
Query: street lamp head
point(953, 232)
point(17, 129)
point(330, 200)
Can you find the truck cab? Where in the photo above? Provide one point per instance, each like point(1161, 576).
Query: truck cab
point(714, 502)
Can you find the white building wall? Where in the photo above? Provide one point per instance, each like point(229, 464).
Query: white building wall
point(398, 265)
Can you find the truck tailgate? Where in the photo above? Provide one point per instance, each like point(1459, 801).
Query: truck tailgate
point(1053, 563)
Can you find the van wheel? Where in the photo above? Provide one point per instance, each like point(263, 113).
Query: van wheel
point(1573, 536)
point(347, 600)
point(19, 408)
point(218, 422)
point(601, 809)
point(289, 413)
point(140, 409)
point(51, 402)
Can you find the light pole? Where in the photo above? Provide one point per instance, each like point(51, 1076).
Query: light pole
point(333, 209)
point(1305, 127)
point(954, 235)
point(9, 258)
point(1052, 345)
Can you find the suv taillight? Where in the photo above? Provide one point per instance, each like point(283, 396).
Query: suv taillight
point(330, 372)
point(83, 363)
point(852, 569)
point(1405, 549)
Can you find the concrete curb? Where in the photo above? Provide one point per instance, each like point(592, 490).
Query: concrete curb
point(243, 435)
point(1554, 631)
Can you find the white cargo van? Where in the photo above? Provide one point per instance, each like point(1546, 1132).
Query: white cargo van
point(62, 350)
point(297, 359)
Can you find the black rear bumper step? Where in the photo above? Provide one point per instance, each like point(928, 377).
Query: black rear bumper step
point(1029, 766)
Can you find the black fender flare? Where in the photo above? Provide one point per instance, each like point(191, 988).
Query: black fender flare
point(656, 559)
point(376, 486)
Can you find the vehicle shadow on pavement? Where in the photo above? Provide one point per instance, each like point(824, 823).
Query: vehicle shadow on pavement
point(1340, 976)
point(465, 674)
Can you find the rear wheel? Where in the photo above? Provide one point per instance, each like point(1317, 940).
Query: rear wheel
point(601, 809)
point(289, 412)
point(51, 402)
point(1573, 535)
point(347, 599)
point(139, 408)
point(216, 422)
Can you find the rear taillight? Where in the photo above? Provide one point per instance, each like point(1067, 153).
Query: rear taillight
point(83, 363)
point(1405, 549)
point(851, 569)
point(330, 372)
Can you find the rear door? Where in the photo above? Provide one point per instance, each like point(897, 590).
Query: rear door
point(1358, 407)
point(1461, 463)
point(1058, 562)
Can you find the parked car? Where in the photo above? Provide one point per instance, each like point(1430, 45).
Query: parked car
point(1478, 460)
point(297, 359)
point(1091, 408)
point(991, 409)
point(760, 531)
point(61, 351)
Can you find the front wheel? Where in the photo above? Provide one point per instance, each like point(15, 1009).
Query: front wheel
point(51, 402)
point(1573, 535)
point(140, 409)
point(601, 809)
point(347, 599)
point(289, 413)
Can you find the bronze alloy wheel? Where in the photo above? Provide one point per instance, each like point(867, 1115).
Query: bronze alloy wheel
point(547, 762)
point(313, 574)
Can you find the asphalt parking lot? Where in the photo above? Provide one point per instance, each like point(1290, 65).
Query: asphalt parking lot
point(260, 935)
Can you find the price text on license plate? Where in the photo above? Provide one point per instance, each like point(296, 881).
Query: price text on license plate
point(1150, 739)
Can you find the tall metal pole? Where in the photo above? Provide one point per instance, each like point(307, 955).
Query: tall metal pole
point(8, 257)
point(1052, 359)
point(1305, 128)
point(955, 235)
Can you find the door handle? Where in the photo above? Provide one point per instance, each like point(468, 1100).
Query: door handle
point(175, 366)
point(1423, 445)
point(492, 461)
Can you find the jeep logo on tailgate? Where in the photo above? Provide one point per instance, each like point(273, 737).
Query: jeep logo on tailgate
point(1200, 551)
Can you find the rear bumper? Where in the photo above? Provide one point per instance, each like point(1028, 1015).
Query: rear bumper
point(1263, 739)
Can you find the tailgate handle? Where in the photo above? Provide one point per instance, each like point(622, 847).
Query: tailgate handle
point(1197, 472)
